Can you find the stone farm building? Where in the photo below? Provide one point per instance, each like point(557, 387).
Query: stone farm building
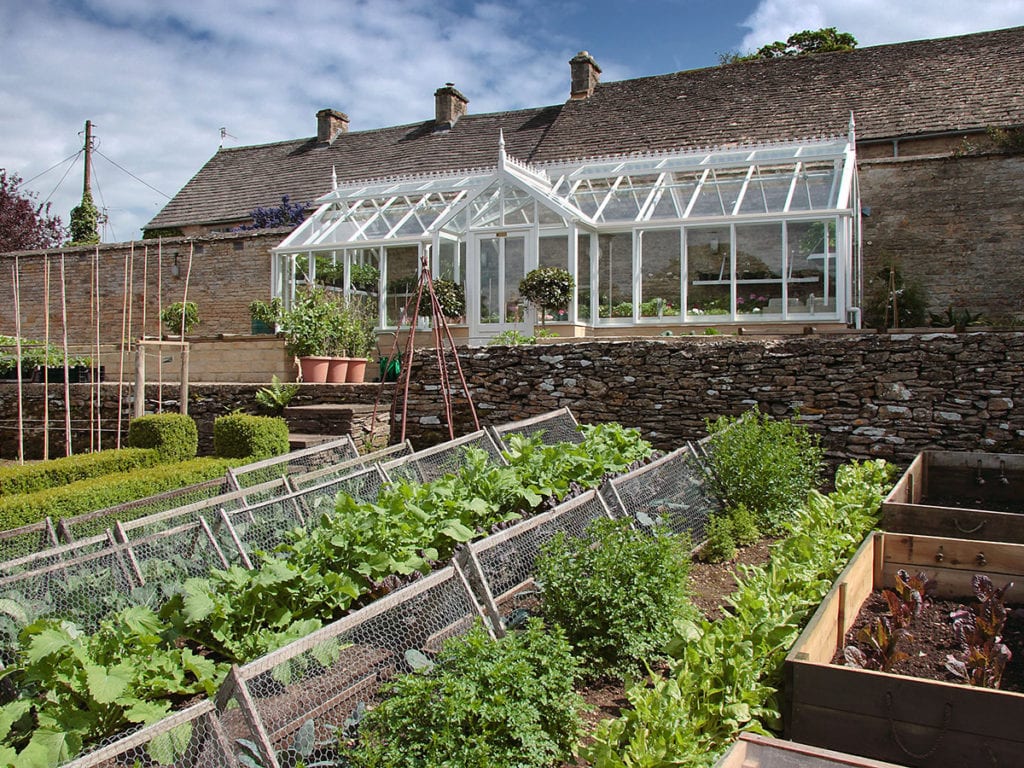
point(759, 193)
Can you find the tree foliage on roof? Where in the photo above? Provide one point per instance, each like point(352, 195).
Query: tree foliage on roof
point(25, 225)
point(287, 214)
point(824, 40)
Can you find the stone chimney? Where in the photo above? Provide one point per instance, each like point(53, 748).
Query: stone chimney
point(449, 106)
point(585, 74)
point(329, 123)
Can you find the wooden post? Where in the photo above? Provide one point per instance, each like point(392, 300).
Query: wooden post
point(183, 395)
point(140, 380)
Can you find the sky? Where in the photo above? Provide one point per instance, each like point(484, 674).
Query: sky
point(160, 80)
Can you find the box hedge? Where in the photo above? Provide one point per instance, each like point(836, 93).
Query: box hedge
point(174, 435)
point(101, 492)
point(241, 436)
point(69, 469)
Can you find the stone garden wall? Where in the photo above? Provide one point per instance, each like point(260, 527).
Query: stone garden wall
point(206, 402)
point(870, 395)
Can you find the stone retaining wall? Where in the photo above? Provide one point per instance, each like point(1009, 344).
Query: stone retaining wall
point(870, 395)
point(206, 402)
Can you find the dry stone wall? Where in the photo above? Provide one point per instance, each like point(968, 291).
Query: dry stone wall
point(870, 395)
point(867, 395)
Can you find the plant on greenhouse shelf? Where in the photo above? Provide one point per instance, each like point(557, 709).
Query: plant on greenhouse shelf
point(547, 288)
point(364, 277)
point(754, 302)
point(180, 318)
point(452, 298)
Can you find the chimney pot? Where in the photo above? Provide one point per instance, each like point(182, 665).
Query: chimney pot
point(449, 106)
point(329, 123)
point(585, 75)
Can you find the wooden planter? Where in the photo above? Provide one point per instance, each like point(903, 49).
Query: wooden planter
point(961, 494)
point(753, 751)
point(901, 719)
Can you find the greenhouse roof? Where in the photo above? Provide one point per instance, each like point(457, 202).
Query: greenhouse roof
point(599, 193)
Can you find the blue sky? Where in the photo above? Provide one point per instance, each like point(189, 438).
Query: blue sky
point(160, 79)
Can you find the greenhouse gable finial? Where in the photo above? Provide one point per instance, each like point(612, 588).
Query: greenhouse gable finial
point(334, 178)
point(501, 148)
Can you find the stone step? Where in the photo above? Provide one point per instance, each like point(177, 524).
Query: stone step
point(326, 418)
point(297, 441)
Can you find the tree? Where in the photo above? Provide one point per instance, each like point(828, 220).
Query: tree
point(547, 288)
point(823, 40)
point(287, 214)
point(24, 224)
point(85, 221)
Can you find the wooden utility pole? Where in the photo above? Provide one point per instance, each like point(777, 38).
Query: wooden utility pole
point(87, 181)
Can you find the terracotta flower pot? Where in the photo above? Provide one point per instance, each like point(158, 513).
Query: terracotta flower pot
point(314, 369)
point(337, 371)
point(356, 370)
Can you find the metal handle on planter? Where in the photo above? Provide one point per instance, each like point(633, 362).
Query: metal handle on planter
point(975, 529)
point(947, 713)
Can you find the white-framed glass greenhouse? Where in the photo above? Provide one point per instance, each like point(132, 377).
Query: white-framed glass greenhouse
point(761, 234)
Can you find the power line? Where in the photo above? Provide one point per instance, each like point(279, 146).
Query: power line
point(73, 156)
point(63, 177)
point(144, 183)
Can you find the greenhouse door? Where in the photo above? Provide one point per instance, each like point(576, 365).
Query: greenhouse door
point(494, 277)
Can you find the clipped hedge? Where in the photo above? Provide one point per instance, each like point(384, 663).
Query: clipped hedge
point(174, 435)
point(69, 469)
point(241, 436)
point(99, 492)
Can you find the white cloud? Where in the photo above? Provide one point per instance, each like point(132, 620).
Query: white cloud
point(876, 22)
point(159, 79)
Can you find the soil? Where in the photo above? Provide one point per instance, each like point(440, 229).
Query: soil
point(932, 641)
point(710, 585)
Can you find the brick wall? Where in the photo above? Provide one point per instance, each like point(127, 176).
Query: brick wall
point(228, 272)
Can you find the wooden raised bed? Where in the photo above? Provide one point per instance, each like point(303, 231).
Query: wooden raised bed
point(905, 720)
point(753, 751)
point(959, 493)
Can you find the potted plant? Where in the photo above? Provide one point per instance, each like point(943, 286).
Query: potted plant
point(179, 318)
point(452, 298)
point(358, 321)
point(265, 316)
point(547, 288)
point(310, 329)
point(364, 277)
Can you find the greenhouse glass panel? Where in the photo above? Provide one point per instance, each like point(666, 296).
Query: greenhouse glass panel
point(812, 266)
point(816, 187)
point(768, 190)
point(674, 197)
point(759, 269)
point(719, 192)
point(485, 208)
point(660, 260)
point(625, 201)
point(452, 261)
point(615, 275)
point(583, 295)
point(517, 207)
point(708, 272)
point(401, 274)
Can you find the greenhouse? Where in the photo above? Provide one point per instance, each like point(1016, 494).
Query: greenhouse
point(740, 235)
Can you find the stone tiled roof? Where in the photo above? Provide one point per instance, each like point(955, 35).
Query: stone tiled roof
point(902, 90)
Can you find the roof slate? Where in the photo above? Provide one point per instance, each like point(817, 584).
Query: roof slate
point(902, 90)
